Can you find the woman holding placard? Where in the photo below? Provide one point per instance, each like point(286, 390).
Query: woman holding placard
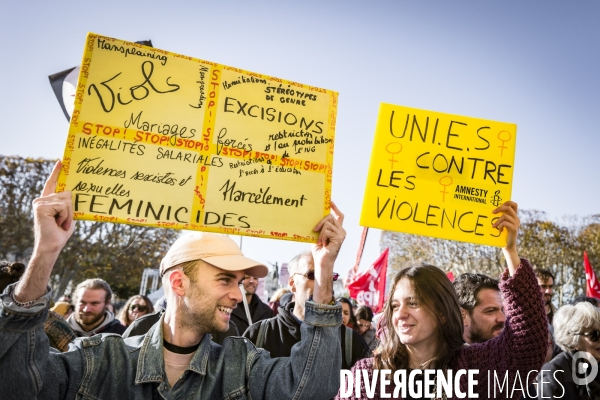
point(423, 354)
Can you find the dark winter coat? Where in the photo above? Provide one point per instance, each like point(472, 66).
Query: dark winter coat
point(258, 312)
point(557, 381)
point(283, 332)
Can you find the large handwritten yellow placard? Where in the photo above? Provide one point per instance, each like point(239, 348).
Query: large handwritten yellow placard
point(161, 139)
point(439, 175)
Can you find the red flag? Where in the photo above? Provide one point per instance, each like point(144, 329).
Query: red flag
point(368, 288)
point(592, 284)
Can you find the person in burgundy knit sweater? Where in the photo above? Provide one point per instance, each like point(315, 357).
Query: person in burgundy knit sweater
point(423, 329)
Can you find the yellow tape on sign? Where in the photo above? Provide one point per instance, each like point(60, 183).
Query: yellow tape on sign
point(166, 140)
point(439, 175)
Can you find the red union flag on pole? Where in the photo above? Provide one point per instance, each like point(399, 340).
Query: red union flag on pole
point(368, 288)
point(592, 284)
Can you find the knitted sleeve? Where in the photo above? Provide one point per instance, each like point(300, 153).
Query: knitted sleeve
point(507, 362)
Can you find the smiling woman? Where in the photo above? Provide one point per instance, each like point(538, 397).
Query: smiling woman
point(423, 302)
point(423, 332)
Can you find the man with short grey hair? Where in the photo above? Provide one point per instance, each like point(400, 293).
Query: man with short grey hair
point(176, 358)
point(279, 334)
point(92, 315)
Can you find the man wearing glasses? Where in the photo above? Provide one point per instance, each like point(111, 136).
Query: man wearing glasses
point(279, 334)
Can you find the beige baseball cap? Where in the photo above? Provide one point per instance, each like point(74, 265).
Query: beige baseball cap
point(214, 249)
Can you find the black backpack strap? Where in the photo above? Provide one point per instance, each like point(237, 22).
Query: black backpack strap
point(348, 348)
point(260, 340)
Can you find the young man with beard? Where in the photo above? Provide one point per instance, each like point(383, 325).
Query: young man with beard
point(545, 279)
point(481, 307)
point(92, 315)
point(176, 358)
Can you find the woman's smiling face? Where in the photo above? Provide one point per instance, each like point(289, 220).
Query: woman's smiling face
point(414, 324)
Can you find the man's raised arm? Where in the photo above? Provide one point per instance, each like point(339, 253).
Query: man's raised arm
point(331, 237)
point(53, 225)
point(313, 369)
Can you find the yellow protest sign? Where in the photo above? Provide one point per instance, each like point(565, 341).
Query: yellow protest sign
point(439, 175)
point(161, 139)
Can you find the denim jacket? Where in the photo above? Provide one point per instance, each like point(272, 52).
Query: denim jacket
point(108, 367)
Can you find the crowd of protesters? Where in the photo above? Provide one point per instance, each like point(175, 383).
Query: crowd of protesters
point(205, 339)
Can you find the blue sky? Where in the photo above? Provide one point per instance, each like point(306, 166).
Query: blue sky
point(532, 63)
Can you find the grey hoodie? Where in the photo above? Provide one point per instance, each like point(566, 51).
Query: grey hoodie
point(109, 325)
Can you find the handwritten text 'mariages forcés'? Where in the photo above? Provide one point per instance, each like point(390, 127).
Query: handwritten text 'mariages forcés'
point(163, 133)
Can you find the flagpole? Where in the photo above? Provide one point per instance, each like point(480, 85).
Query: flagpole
point(361, 246)
point(245, 301)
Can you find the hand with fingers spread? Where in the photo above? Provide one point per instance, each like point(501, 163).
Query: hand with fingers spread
point(509, 220)
point(53, 226)
point(325, 252)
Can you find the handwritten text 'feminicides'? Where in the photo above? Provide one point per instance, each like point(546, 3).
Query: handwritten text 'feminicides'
point(432, 383)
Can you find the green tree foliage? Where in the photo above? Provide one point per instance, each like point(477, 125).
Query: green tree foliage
point(117, 253)
point(546, 244)
point(21, 181)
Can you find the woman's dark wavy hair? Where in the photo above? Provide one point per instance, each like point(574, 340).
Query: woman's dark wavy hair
point(435, 293)
point(352, 316)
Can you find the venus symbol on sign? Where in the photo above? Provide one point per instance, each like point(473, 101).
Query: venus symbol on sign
point(445, 181)
point(389, 149)
point(502, 147)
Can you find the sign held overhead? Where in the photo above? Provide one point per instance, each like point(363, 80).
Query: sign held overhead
point(166, 140)
point(439, 175)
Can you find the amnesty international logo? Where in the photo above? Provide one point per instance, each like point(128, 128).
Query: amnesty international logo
point(496, 199)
